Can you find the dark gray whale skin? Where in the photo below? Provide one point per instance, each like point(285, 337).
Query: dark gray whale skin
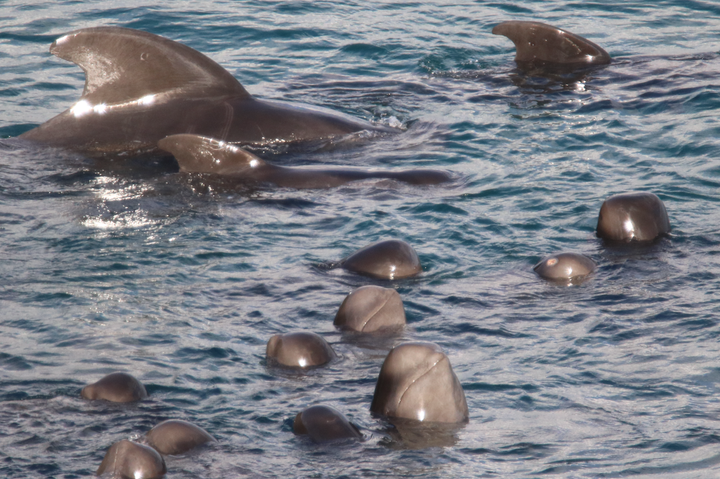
point(565, 267)
point(388, 259)
point(542, 44)
point(140, 88)
point(127, 459)
point(324, 424)
point(639, 216)
point(175, 436)
point(299, 350)
point(417, 382)
point(371, 309)
point(115, 387)
point(198, 154)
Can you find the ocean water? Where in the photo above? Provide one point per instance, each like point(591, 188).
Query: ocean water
point(131, 266)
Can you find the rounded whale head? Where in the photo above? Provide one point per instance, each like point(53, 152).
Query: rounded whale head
point(324, 424)
point(565, 267)
point(537, 42)
point(417, 382)
point(371, 308)
point(132, 460)
point(115, 387)
point(177, 437)
point(633, 217)
point(389, 259)
point(301, 349)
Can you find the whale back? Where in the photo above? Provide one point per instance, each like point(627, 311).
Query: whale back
point(198, 154)
point(537, 42)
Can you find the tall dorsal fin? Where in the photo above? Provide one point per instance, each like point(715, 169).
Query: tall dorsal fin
point(539, 42)
point(123, 65)
point(198, 154)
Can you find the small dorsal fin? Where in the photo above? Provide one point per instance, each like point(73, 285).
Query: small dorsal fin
point(198, 154)
point(123, 65)
point(539, 42)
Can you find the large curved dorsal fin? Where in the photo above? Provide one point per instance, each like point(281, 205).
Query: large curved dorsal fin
point(539, 42)
point(123, 65)
point(198, 154)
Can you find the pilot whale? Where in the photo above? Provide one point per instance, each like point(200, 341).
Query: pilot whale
point(140, 88)
point(540, 44)
point(197, 154)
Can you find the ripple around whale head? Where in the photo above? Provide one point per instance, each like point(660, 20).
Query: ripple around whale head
point(181, 281)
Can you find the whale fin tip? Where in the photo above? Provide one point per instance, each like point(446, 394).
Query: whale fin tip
point(537, 42)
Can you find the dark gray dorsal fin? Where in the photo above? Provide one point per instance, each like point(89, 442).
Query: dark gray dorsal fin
point(198, 154)
point(539, 42)
point(123, 65)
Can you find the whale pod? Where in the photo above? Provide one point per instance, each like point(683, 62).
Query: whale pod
point(140, 88)
point(417, 382)
point(175, 436)
point(371, 308)
point(388, 259)
point(565, 267)
point(127, 459)
point(197, 154)
point(324, 424)
point(115, 387)
point(300, 349)
point(539, 43)
point(632, 217)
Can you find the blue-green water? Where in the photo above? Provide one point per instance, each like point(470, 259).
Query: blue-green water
point(132, 268)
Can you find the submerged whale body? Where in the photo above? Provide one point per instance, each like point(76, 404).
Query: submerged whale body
point(565, 267)
point(388, 259)
point(417, 382)
point(127, 459)
point(301, 349)
point(140, 88)
point(541, 44)
point(197, 154)
point(633, 217)
point(324, 424)
point(175, 436)
point(115, 387)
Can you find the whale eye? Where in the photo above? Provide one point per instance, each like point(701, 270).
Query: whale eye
point(552, 262)
point(143, 56)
